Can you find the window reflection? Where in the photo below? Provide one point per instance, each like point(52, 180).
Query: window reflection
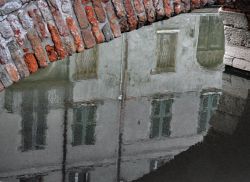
point(34, 114)
point(210, 50)
point(166, 51)
point(208, 105)
point(79, 176)
point(86, 64)
point(84, 123)
point(161, 116)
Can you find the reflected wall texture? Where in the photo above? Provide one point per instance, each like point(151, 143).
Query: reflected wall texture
point(113, 117)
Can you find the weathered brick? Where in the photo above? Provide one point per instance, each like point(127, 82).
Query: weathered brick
point(12, 72)
point(168, 9)
point(95, 27)
point(7, 62)
point(88, 38)
point(10, 6)
point(58, 17)
point(119, 8)
point(140, 10)
point(159, 8)
point(51, 52)
point(17, 28)
point(75, 33)
point(177, 7)
point(44, 8)
point(57, 41)
point(4, 77)
point(31, 62)
point(2, 2)
point(186, 5)
point(80, 14)
point(149, 7)
point(5, 29)
point(99, 11)
point(107, 32)
point(132, 19)
point(195, 4)
point(1, 87)
point(17, 57)
point(37, 48)
point(204, 2)
point(39, 24)
point(113, 21)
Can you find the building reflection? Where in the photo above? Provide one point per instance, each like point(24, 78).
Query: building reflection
point(72, 125)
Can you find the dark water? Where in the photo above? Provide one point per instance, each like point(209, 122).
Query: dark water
point(154, 102)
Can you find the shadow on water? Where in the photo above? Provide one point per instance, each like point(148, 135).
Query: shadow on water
point(129, 108)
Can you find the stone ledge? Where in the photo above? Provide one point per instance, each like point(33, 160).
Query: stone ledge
point(234, 19)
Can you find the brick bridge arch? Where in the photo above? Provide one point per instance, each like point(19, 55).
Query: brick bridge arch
point(34, 33)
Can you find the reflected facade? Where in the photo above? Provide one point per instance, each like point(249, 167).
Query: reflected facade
point(113, 113)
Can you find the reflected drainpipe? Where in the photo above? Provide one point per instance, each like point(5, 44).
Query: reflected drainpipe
point(122, 99)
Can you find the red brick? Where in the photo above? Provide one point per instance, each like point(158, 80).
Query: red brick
point(37, 48)
point(168, 9)
point(148, 4)
point(75, 33)
point(95, 27)
point(132, 19)
point(57, 41)
point(99, 11)
point(119, 8)
point(88, 38)
point(113, 21)
point(31, 63)
point(52, 55)
point(80, 14)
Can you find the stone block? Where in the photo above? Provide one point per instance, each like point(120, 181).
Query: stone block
point(234, 19)
point(237, 37)
point(241, 64)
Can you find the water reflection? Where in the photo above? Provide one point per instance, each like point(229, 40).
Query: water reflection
point(115, 112)
point(224, 153)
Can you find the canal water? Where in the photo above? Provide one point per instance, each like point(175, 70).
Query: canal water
point(153, 105)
